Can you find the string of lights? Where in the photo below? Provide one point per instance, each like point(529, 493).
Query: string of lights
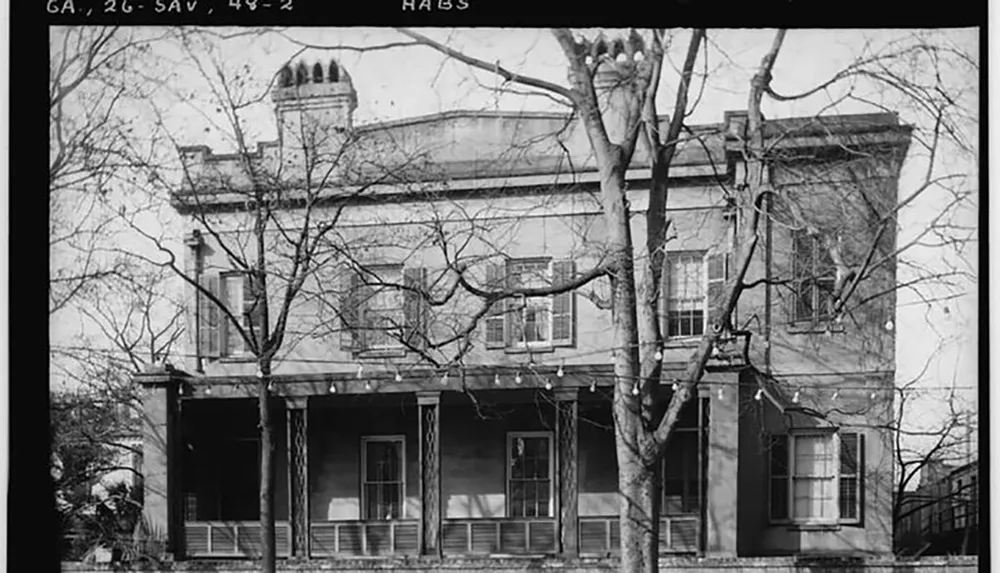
point(396, 374)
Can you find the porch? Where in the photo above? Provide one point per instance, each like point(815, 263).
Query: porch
point(516, 472)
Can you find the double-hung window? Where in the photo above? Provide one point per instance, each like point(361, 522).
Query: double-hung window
point(383, 477)
point(218, 336)
point(816, 477)
point(815, 277)
point(383, 309)
point(529, 475)
point(527, 322)
point(693, 285)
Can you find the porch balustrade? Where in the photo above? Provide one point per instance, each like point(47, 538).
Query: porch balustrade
point(232, 539)
point(364, 538)
point(499, 536)
point(602, 535)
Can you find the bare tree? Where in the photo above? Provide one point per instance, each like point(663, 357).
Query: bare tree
point(91, 151)
point(284, 232)
point(643, 425)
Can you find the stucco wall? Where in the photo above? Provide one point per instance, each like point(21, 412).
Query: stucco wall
point(758, 536)
point(336, 426)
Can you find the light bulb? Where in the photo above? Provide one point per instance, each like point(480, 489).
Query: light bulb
point(675, 386)
point(659, 355)
point(333, 388)
point(399, 377)
point(889, 325)
point(208, 390)
point(548, 385)
point(635, 390)
point(260, 373)
point(270, 386)
point(444, 379)
point(560, 372)
point(759, 394)
point(496, 379)
point(872, 396)
point(795, 398)
point(368, 385)
point(361, 370)
point(593, 386)
point(517, 378)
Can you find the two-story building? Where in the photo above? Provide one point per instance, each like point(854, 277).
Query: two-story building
point(388, 446)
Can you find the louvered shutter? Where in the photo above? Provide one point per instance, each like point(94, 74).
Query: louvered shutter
point(495, 317)
point(513, 307)
point(351, 336)
point(718, 273)
point(208, 329)
point(414, 305)
point(254, 308)
point(563, 305)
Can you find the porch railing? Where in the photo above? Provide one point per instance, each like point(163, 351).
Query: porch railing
point(364, 538)
point(503, 536)
point(602, 535)
point(231, 538)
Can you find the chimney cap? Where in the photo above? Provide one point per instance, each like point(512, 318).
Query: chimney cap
point(303, 81)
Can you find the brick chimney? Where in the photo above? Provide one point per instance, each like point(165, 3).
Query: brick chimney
point(314, 104)
point(614, 67)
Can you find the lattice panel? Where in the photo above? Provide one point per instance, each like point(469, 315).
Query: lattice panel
point(299, 467)
point(430, 468)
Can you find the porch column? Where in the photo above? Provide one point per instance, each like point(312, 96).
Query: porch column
point(429, 416)
point(298, 474)
point(161, 455)
point(566, 446)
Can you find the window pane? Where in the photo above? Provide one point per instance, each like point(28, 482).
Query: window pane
point(779, 455)
point(849, 454)
point(813, 457)
point(848, 497)
point(685, 295)
point(813, 498)
point(779, 498)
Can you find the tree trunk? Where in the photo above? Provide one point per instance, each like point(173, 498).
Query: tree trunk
point(266, 471)
point(640, 524)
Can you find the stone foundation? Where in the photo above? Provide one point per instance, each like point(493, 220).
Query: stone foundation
point(800, 564)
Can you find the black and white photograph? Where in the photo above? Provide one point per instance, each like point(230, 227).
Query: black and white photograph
point(511, 300)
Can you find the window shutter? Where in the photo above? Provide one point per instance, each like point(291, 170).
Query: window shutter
point(209, 317)
point(414, 305)
point(861, 478)
point(563, 305)
point(717, 273)
point(778, 471)
point(224, 326)
point(495, 316)
point(254, 314)
point(513, 308)
point(350, 313)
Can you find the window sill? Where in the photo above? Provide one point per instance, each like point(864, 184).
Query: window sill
point(685, 342)
point(820, 327)
point(808, 526)
point(380, 353)
point(237, 359)
point(529, 349)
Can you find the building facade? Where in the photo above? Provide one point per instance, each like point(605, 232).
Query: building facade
point(941, 516)
point(388, 447)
